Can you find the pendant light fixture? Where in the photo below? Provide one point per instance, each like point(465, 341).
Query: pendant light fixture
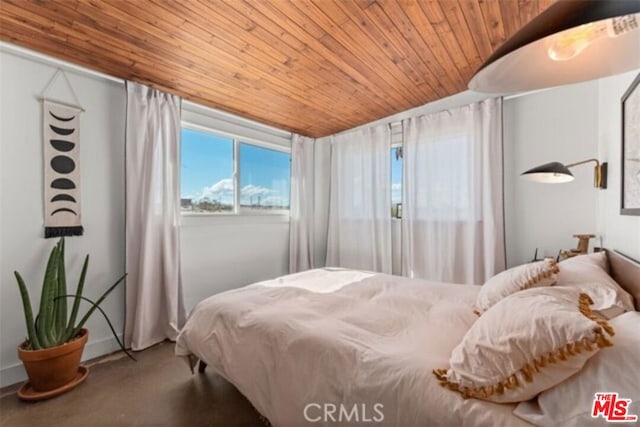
point(571, 41)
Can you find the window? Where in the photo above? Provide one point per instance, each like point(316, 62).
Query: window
point(396, 182)
point(206, 180)
point(214, 180)
point(265, 177)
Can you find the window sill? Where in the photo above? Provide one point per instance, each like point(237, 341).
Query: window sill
point(206, 220)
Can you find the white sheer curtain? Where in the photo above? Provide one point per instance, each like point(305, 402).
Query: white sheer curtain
point(360, 200)
point(302, 223)
point(452, 225)
point(154, 308)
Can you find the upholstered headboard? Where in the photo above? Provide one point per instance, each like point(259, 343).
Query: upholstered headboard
point(626, 271)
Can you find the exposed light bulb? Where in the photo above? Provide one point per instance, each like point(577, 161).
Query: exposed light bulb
point(570, 43)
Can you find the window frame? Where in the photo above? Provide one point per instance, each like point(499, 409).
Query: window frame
point(237, 189)
point(398, 206)
point(236, 140)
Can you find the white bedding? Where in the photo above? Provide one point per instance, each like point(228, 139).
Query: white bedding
point(339, 337)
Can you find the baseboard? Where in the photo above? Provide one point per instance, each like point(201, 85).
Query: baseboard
point(15, 373)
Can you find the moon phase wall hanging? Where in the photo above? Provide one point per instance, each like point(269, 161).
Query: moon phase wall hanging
point(61, 170)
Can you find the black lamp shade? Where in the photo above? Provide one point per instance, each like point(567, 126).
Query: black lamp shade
point(551, 173)
point(569, 42)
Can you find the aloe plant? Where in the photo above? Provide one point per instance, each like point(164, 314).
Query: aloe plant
point(53, 326)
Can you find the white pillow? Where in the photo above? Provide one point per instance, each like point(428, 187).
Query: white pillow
point(541, 273)
point(615, 369)
point(590, 274)
point(524, 344)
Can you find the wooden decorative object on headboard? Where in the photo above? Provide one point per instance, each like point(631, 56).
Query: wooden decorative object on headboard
point(583, 242)
point(626, 272)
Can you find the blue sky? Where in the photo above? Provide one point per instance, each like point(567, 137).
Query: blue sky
point(207, 170)
point(265, 175)
point(396, 178)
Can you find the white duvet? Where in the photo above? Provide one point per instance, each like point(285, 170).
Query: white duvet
point(341, 347)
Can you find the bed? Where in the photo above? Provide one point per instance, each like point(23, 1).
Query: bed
point(342, 347)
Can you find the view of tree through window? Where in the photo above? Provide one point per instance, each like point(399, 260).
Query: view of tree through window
point(207, 175)
point(396, 182)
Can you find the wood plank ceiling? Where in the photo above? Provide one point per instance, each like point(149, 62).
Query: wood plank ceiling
point(315, 67)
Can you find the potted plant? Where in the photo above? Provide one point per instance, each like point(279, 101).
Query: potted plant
point(52, 351)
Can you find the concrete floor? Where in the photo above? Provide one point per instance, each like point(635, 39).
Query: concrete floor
point(157, 390)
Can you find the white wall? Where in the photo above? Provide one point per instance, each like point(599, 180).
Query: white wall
point(219, 254)
point(566, 124)
point(22, 246)
point(553, 125)
point(620, 232)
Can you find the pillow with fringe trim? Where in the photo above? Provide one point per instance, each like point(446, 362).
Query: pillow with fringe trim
point(615, 369)
point(525, 344)
point(535, 274)
point(590, 274)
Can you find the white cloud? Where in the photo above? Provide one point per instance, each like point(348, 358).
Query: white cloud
point(396, 192)
point(221, 191)
point(255, 190)
point(252, 194)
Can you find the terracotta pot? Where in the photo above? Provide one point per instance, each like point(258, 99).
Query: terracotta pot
point(53, 367)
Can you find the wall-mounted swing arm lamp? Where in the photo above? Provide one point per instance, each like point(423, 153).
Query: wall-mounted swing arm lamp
point(556, 172)
point(571, 41)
